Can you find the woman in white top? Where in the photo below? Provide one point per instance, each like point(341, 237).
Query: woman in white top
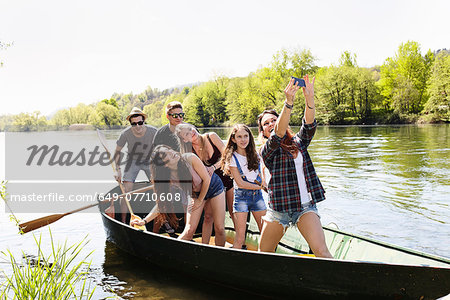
point(242, 162)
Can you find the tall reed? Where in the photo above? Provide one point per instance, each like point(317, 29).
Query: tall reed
point(59, 275)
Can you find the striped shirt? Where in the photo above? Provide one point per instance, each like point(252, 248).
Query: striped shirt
point(284, 194)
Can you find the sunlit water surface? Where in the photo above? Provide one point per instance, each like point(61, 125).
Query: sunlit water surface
point(390, 183)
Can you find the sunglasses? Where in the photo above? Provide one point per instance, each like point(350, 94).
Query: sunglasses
point(177, 115)
point(137, 123)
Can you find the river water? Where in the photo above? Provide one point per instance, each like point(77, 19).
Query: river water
point(391, 183)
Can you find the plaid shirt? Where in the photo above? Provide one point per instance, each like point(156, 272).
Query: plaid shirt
point(284, 194)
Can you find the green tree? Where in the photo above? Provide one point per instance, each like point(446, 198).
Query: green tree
point(246, 98)
point(438, 105)
point(105, 115)
point(79, 114)
point(61, 118)
point(194, 108)
point(153, 111)
point(29, 121)
point(345, 92)
point(111, 101)
point(404, 78)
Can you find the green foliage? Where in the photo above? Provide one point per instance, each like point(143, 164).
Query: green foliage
point(111, 101)
point(59, 275)
point(247, 97)
point(79, 114)
point(345, 92)
point(105, 115)
point(153, 112)
point(404, 78)
point(438, 105)
point(29, 122)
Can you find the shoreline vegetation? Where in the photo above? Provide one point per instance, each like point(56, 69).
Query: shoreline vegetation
point(408, 88)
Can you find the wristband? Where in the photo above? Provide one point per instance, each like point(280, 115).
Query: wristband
point(290, 106)
point(145, 221)
point(309, 106)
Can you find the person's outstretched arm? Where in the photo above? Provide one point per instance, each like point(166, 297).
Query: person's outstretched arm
point(283, 120)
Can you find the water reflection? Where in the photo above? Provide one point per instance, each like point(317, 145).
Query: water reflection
point(147, 281)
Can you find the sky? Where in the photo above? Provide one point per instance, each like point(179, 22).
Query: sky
point(70, 52)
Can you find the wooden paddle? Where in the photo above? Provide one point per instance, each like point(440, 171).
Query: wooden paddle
point(110, 210)
point(44, 221)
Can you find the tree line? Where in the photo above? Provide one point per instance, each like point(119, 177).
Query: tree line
point(408, 87)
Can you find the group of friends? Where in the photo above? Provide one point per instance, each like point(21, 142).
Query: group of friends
point(212, 176)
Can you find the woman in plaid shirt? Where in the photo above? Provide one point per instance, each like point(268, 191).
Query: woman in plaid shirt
point(294, 188)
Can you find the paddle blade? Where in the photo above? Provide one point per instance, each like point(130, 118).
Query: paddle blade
point(38, 223)
point(134, 217)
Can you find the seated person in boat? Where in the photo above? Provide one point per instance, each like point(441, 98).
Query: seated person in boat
point(139, 140)
point(188, 172)
point(242, 162)
point(208, 147)
point(293, 198)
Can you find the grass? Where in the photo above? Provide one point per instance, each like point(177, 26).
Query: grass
point(62, 274)
point(55, 276)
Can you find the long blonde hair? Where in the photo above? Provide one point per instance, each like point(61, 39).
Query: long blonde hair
point(187, 147)
point(250, 151)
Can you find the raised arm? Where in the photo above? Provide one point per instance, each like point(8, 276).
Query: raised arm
point(310, 106)
point(283, 120)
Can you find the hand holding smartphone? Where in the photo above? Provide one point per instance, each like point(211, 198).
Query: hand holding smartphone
point(299, 81)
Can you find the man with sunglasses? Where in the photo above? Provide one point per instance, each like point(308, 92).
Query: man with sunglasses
point(139, 139)
point(166, 134)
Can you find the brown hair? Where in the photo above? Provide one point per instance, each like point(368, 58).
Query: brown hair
point(286, 143)
point(261, 138)
point(172, 105)
point(161, 178)
point(250, 150)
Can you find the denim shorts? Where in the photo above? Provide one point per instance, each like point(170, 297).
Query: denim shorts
point(132, 169)
point(215, 187)
point(248, 200)
point(290, 218)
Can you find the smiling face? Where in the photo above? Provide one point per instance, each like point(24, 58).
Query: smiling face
point(137, 125)
point(187, 135)
point(268, 123)
point(174, 116)
point(170, 157)
point(241, 138)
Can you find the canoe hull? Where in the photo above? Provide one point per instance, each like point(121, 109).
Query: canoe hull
point(279, 275)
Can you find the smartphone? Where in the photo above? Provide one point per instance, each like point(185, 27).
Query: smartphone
point(299, 81)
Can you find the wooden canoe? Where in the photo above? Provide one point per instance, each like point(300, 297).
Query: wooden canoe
point(363, 268)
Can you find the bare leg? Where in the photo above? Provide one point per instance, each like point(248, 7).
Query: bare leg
point(229, 196)
point(271, 234)
point(208, 221)
point(218, 209)
point(310, 227)
point(240, 224)
point(192, 219)
point(258, 218)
